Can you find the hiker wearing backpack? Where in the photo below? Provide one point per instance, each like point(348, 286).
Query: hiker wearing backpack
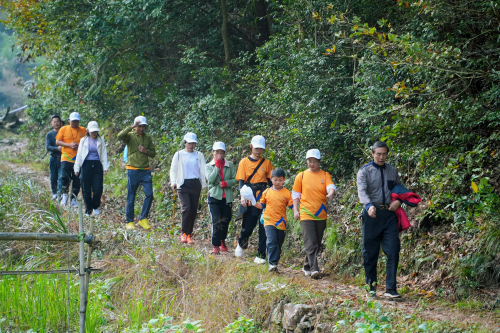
point(91, 165)
point(187, 176)
point(312, 187)
point(141, 149)
point(221, 175)
point(255, 172)
point(55, 156)
point(69, 138)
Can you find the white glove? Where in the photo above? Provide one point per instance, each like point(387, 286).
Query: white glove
point(247, 194)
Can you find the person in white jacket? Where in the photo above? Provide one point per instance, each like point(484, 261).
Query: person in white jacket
point(91, 164)
point(187, 176)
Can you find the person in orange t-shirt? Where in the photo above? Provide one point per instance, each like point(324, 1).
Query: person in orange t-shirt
point(260, 180)
point(312, 187)
point(68, 138)
point(274, 201)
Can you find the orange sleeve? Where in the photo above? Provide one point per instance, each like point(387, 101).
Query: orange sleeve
point(290, 200)
point(270, 169)
point(328, 179)
point(263, 197)
point(241, 173)
point(297, 184)
point(60, 133)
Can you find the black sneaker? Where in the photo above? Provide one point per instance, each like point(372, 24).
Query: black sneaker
point(392, 293)
point(373, 290)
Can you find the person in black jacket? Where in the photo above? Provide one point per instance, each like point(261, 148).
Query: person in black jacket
point(55, 156)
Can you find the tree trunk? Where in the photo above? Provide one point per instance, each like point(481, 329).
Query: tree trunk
point(262, 23)
point(225, 37)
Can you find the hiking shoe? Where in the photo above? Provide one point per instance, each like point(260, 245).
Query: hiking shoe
point(183, 238)
point(64, 200)
point(189, 240)
point(223, 246)
point(306, 272)
point(54, 196)
point(215, 250)
point(74, 203)
point(273, 268)
point(144, 224)
point(97, 212)
point(373, 290)
point(130, 226)
point(86, 214)
point(238, 252)
point(259, 261)
point(315, 275)
point(392, 293)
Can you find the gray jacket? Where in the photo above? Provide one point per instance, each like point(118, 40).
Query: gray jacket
point(375, 184)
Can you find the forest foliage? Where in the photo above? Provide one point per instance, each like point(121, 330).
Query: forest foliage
point(423, 75)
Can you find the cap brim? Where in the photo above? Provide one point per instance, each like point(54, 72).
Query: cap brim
point(93, 129)
point(191, 141)
point(143, 124)
point(74, 119)
point(259, 146)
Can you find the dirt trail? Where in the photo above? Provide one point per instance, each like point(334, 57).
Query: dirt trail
point(432, 310)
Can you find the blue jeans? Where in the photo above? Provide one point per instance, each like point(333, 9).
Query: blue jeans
point(134, 178)
point(55, 174)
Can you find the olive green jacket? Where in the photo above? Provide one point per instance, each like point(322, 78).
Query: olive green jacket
point(133, 140)
point(213, 178)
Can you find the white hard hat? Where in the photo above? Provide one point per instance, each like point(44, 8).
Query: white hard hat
point(258, 141)
point(313, 153)
point(93, 127)
point(190, 137)
point(141, 120)
point(74, 116)
point(219, 146)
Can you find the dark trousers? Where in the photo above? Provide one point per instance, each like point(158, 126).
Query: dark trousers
point(91, 176)
point(312, 234)
point(189, 196)
point(67, 175)
point(55, 174)
point(250, 220)
point(134, 179)
point(221, 213)
point(381, 230)
point(275, 239)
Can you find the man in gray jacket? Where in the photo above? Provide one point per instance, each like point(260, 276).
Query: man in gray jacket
point(375, 181)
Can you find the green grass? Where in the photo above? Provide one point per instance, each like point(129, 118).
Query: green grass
point(40, 303)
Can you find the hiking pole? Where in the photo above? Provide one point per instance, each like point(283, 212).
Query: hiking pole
point(173, 216)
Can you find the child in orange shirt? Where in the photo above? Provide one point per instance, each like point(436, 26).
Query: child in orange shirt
point(275, 201)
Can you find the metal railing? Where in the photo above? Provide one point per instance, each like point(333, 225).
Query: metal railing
point(83, 272)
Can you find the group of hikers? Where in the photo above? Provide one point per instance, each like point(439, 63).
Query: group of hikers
point(79, 155)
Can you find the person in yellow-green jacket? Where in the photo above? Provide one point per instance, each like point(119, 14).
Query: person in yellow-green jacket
point(140, 149)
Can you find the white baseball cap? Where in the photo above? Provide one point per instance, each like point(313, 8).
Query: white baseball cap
point(219, 146)
point(258, 141)
point(141, 120)
point(190, 137)
point(93, 127)
point(313, 153)
point(74, 116)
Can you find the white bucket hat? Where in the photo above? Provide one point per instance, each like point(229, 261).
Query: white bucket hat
point(219, 146)
point(190, 137)
point(313, 153)
point(74, 116)
point(93, 126)
point(258, 141)
point(141, 120)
